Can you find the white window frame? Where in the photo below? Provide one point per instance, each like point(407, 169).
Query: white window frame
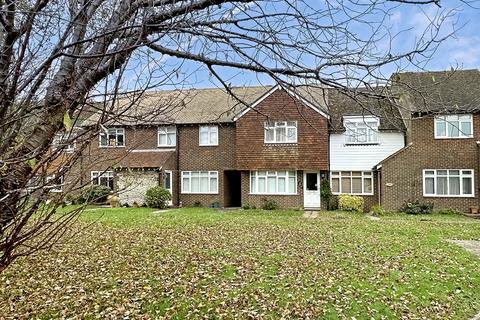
point(56, 188)
point(188, 175)
point(339, 174)
point(209, 129)
point(60, 142)
point(361, 123)
point(448, 118)
point(277, 125)
point(461, 175)
point(118, 132)
point(96, 175)
point(166, 131)
point(272, 173)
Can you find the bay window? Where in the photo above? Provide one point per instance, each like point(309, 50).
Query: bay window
point(281, 132)
point(199, 181)
point(352, 182)
point(447, 183)
point(273, 182)
point(453, 126)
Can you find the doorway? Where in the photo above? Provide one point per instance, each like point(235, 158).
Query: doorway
point(311, 190)
point(233, 188)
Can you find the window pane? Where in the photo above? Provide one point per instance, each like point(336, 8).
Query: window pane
point(467, 186)
point(162, 139)
point(281, 134)
point(442, 185)
point(454, 172)
point(195, 183)
point(261, 184)
point(253, 186)
point(269, 135)
point(441, 129)
point(335, 185)
point(466, 129)
point(292, 184)
point(167, 181)
point(453, 129)
point(271, 185)
point(204, 184)
point(367, 185)
point(356, 185)
point(454, 185)
point(281, 185)
point(103, 140)
point(429, 186)
point(214, 136)
point(356, 173)
point(171, 139)
point(292, 134)
point(213, 184)
point(346, 185)
point(186, 184)
point(203, 137)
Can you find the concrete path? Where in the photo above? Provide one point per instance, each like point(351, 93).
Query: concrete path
point(310, 214)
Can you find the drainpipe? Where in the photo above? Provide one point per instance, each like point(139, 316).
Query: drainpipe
point(177, 160)
point(478, 172)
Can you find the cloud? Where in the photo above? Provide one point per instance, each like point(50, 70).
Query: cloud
point(464, 51)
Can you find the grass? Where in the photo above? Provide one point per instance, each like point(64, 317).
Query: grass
point(202, 263)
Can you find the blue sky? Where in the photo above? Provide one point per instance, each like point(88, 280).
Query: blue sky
point(407, 22)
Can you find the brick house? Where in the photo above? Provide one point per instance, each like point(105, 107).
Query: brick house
point(212, 150)
point(440, 163)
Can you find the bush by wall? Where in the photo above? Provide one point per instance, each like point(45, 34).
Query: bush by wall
point(347, 202)
point(269, 204)
point(377, 210)
point(94, 194)
point(417, 207)
point(157, 197)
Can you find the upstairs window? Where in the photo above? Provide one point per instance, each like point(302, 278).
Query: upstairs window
point(64, 141)
point(167, 136)
point(447, 183)
point(453, 126)
point(114, 137)
point(281, 132)
point(102, 178)
point(208, 136)
point(361, 130)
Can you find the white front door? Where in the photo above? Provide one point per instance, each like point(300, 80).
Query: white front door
point(311, 189)
point(167, 184)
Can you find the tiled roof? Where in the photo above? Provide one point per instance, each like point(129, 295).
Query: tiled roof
point(145, 159)
point(341, 104)
point(439, 91)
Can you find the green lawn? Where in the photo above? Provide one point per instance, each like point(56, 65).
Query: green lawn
point(201, 263)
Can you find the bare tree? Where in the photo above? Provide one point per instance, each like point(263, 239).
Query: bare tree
point(58, 58)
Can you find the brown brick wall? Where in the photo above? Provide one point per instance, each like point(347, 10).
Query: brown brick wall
point(206, 158)
point(405, 169)
point(311, 151)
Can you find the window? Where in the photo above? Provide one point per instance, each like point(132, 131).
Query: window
point(454, 126)
point(281, 132)
point(54, 184)
point(167, 136)
point(208, 136)
point(103, 178)
point(114, 137)
point(447, 183)
point(199, 181)
point(361, 130)
point(63, 141)
point(351, 182)
point(273, 182)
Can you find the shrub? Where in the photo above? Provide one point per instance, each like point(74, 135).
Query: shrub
point(417, 207)
point(157, 197)
point(348, 202)
point(269, 204)
point(325, 192)
point(449, 211)
point(378, 210)
point(94, 194)
point(197, 204)
point(248, 206)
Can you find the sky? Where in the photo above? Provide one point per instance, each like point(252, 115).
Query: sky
point(461, 49)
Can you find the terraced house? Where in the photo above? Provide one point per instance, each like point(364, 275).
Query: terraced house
point(279, 143)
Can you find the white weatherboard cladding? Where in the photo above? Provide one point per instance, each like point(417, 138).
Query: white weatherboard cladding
point(362, 157)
